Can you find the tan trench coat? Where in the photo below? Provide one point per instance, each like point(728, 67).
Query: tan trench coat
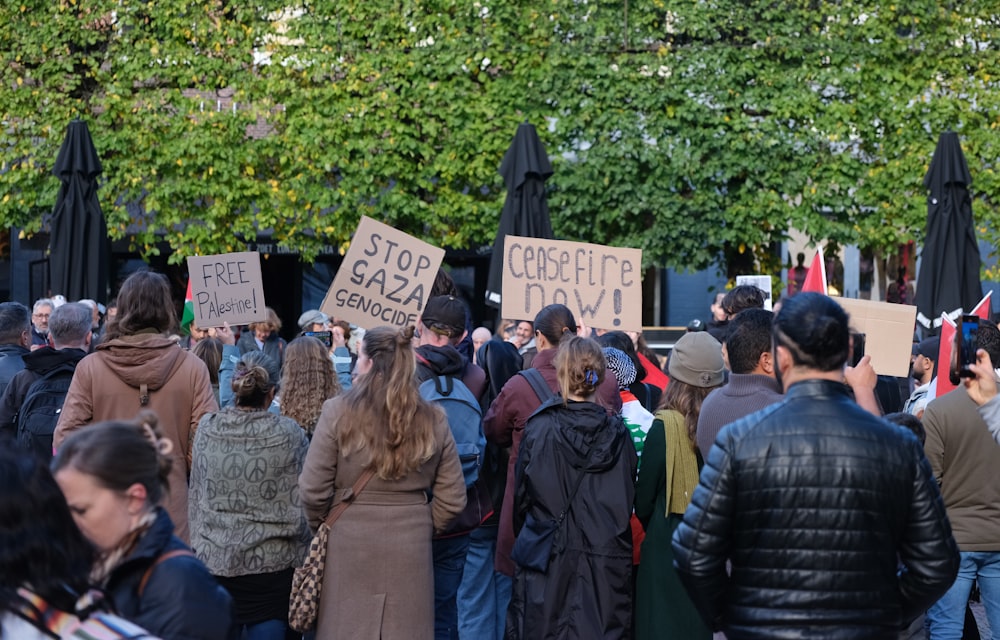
point(379, 577)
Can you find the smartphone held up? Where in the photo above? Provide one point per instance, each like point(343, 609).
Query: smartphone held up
point(963, 351)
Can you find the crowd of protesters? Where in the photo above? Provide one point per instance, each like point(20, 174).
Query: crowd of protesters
point(172, 480)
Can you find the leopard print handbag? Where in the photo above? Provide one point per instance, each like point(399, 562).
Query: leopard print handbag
point(307, 581)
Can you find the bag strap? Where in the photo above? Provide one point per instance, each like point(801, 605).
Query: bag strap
point(176, 553)
point(348, 498)
point(569, 503)
point(444, 385)
point(538, 384)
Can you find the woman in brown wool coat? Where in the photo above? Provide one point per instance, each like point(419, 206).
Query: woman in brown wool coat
point(379, 577)
point(136, 366)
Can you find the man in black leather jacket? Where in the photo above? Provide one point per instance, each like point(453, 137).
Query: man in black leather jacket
point(829, 515)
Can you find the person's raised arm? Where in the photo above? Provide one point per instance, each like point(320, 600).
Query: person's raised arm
point(230, 356)
point(862, 380)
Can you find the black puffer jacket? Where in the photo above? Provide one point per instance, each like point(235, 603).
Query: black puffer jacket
point(816, 503)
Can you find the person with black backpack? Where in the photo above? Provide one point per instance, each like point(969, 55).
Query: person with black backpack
point(32, 402)
point(450, 381)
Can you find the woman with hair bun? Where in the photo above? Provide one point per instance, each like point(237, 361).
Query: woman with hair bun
point(504, 423)
point(113, 477)
point(246, 522)
point(379, 580)
point(576, 466)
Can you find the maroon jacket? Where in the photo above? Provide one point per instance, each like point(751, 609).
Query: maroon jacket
point(504, 426)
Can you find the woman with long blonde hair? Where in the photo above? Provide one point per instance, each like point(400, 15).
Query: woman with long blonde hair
point(378, 580)
point(307, 381)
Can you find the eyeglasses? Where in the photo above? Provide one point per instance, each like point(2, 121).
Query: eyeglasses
point(40, 315)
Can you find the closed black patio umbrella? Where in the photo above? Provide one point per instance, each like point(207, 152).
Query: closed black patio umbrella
point(79, 249)
point(524, 168)
point(948, 281)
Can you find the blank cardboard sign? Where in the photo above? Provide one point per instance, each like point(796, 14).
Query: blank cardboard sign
point(888, 330)
point(385, 278)
point(601, 285)
point(227, 288)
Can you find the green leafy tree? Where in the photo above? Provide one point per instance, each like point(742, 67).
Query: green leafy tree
point(696, 130)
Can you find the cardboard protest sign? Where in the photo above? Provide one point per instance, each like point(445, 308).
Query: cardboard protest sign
point(761, 282)
point(601, 285)
point(385, 278)
point(226, 288)
point(888, 330)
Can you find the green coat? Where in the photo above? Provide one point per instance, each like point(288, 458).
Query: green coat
point(663, 610)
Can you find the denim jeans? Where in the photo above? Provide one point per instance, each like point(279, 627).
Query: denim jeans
point(267, 630)
point(946, 617)
point(484, 593)
point(449, 563)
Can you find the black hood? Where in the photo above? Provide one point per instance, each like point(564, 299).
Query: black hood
point(441, 361)
point(592, 439)
point(48, 359)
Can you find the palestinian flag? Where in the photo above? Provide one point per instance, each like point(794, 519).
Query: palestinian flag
point(188, 316)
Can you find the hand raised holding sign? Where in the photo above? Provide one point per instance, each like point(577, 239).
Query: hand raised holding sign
point(225, 334)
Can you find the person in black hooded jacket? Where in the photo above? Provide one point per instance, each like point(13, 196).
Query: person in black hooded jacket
point(577, 460)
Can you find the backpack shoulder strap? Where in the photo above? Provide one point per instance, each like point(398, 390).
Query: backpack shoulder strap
point(444, 385)
point(538, 384)
point(176, 553)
